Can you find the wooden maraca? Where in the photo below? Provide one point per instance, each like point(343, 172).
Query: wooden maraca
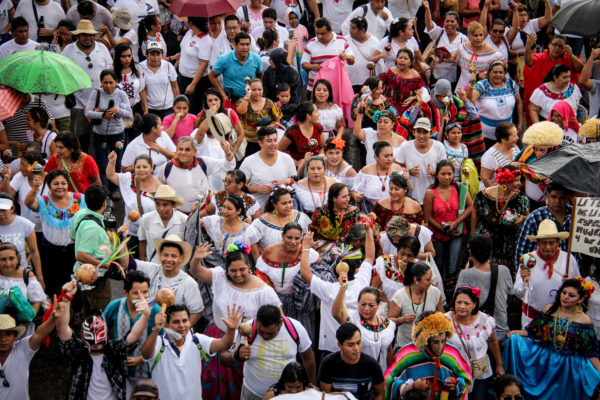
point(86, 274)
point(245, 330)
point(343, 268)
point(166, 298)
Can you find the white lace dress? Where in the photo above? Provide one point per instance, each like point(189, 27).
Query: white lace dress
point(213, 225)
point(271, 233)
point(328, 118)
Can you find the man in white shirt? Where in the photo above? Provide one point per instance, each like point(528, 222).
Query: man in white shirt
point(173, 254)
point(188, 175)
point(267, 167)
point(176, 356)
point(420, 157)
point(269, 17)
point(166, 219)
point(138, 8)
point(19, 29)
point(225, 42)
point(405, 8)
point(336, 11)
point(276, 341)
point(92, 57)
point(42, 16)
point(362, 44)
point(377, 14)
point(93, 11)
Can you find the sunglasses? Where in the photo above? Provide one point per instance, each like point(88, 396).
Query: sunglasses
point(89, 60)
point(5, 382)
point(512, 397)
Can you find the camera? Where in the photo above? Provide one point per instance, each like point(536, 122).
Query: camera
point(446, 226)
point(110, 222)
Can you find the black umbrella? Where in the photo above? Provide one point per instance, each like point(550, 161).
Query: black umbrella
point(576, 167)
point(578, 17)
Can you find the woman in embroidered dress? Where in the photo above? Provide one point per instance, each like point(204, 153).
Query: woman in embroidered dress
point(81, 167)
point(331, 116)
point(556, 87)
point(475, 55)
point(337, 167)
point(398, 227)
point(418, 296)
point(56, 210)
point(376, 332)
point(332, 222)
point(229, 227)
point(559, 345)
point(279, 211)
point(233, 285)
point(234, 183)
point(398, 203)
point(401, 82)
point(129, 183)
point(474, 335)
point(311, 192)
point(499, 211)
point(385, 121)
point(371, 101)
point(371, 183)
point(305, 138)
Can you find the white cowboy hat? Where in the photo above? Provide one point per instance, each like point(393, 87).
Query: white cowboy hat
point(8, 323)
point(548, 230)
point(85, 26)
point(219, 125)
point(187, 249)
point(166, 192)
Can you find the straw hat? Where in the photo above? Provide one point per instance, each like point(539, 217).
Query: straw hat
point(85, 26)
point(428, 325)
point(548, 230)
point(187, 249)
point(590, 128)
point(121, 18)
point(166, 192)
point(8, 323)
point(219, 125)
point(543, 134)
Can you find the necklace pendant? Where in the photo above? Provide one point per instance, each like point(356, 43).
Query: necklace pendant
point(383, 188)
point(560, 339)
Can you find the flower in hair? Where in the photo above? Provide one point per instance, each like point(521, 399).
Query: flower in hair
point(376, 115)
point(504, 175)
point(237, 246)
point(476, 291)
point(588, 287)
point(339, 143)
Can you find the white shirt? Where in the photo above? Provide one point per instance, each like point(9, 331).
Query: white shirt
point(358, 72)
point(400, 9)
point(327, 292)
point(259, 173)
point(100, 387)
point(5, 8)
point(390, 59)
point(20, 184)
point(151, 227)
point(376, 24)
point(268, 358)
point(158, 84)
point(408, 155)
point(194, 48)
point(11, 47)
point(177, 376)
point(16, 370)
point(100, 60)
point(52, 13)
point(336, 11)
point(138, 8)
point(137, 146)
point(533, 26)
point(281, 32)
point(316, 52)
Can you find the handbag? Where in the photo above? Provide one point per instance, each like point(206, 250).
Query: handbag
point(478, 367)
point(14, 303)
point(429, 52)
point(94, 122)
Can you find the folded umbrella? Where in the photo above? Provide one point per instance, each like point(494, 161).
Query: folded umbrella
point(204, 8)
point(9, 103)
point(40, 71)
point(576, 167)
point(578, 17)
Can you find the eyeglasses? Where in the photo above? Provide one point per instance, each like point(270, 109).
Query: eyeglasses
point(512, 397)
point(89, 60)
point(498, 30)
point(5, 382)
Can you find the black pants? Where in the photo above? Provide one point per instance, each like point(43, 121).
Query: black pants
point(57, 264)
point(197, 96)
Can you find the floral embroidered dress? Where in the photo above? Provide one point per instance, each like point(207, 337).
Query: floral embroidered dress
point(397, 89)
point(253, 120)
point(385, 214)
point(554, 361)
point(56, 222)
point(392, 278)
point(300, 144)
point(547, 99)
point(328, 233)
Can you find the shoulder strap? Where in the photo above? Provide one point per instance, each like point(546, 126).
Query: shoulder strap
point(90, 217)
point(246, 15)
point(291, 329)
point(365, 8)
point(199, 346)
point(168, 169)
point(159, 356)
point(490, 303)
point(418, 230)
point(202, 165)
point(164, 235)
point(97, 99)
point(35, 14)
point(26, 276)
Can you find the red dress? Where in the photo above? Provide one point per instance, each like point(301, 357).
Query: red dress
point(385, 214)
point(300, 144)
point(82, 172)
point(397, 89)
point(445, 211)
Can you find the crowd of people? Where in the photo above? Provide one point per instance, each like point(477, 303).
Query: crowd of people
point(319, 199)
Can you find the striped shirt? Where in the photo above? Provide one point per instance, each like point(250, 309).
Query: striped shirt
point(16, 128)
point(316, 52)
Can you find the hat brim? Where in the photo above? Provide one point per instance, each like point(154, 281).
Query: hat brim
point(215, 126)
point(125, 27)
point(187, 249)
point(89, 32)
point(19, 329)
point(145, 393)
point(559, 235)
point(179, 202)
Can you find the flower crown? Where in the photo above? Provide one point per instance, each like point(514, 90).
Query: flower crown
point(339, 143)
point(504, 175)
point(588, 287)
point(237, 246)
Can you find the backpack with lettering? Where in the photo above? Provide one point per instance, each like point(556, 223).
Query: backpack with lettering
point(288, 325)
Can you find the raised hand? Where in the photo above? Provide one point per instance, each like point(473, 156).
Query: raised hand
point(234, 315)
point(202, 251)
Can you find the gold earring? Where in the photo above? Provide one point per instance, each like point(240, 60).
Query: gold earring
point(275, 213)
point(503, 187)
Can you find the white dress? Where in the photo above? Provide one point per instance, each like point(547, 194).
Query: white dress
point(370, 186)
point(271, 233)
point(494, 159)
point(328, 118)
point(341, 175)
point(496, 105)
point(593, 310)
point(250, 300)
point(541, 98)
point(402, 299)
point(310, 199)
point(283, 279)
point(213, 225)
point(374, 343)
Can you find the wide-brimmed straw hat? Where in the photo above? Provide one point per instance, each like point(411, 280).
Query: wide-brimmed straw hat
point(174, 239)
point(219, 125)
point(8, 323)
point(85, 26)
point(548, 230)
point(166, 192)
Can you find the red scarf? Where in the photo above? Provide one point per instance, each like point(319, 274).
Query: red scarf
point(435, 386)
point(549, 263)
point(178, 165)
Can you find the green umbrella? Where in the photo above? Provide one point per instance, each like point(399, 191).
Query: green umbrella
point(39, 71)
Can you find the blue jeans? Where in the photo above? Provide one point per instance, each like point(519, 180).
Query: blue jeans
point(446, 256)
point(103, 145)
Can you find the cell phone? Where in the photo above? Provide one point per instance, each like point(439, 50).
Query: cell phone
point(290, 34)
